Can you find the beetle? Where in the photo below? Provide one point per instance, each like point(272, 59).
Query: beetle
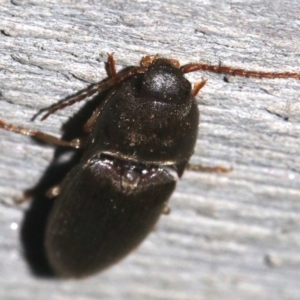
point(138, 140)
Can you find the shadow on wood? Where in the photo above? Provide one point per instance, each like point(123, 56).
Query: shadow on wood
point(35, 220)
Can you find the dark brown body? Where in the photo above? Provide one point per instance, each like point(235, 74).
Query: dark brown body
point(102, 214)
point(111, 201)
point(145, 128)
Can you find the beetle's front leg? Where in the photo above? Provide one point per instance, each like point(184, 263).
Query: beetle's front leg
point(111, 65)
point(45, 137)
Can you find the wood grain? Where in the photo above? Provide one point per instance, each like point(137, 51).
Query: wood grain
point(232, 236)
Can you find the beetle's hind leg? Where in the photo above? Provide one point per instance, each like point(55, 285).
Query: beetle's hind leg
point(166, 210)
point(216, 169)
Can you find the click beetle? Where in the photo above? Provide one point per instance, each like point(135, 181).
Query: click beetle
point(138, 140)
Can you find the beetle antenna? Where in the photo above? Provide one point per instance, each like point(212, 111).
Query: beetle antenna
point(96, 88)
point(237, 72)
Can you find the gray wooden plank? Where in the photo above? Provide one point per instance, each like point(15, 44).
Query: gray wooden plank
point(233, 236)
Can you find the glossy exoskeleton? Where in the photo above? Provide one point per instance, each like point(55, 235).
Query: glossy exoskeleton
point(138, 141)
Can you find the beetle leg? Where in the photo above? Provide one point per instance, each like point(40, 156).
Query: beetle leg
point(166, 210)
point(88, 126)
point(198, 86)
point(25, 197)
point(76, 143)
point(111, 65)
point(54, 191)
point(216, 169)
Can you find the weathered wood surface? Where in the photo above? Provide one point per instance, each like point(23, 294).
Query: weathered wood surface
point(233, 236)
